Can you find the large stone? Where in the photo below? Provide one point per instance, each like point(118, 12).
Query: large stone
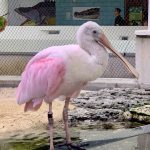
point(107, 105)
point(140, 114)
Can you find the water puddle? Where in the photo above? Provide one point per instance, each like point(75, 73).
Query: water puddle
point(37, 140)
point(97, 139)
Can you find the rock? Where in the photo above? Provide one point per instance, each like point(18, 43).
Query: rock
point(108, 105)
point(127, 115)
point(143, 110)
point(140, 114)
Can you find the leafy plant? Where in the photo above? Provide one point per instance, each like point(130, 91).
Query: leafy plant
point(2, 22)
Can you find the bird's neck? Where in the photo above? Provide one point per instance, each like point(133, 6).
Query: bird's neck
point(97, 60)
point(94, 49)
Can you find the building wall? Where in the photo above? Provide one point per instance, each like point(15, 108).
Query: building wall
point(64, 8)
point(13, 17)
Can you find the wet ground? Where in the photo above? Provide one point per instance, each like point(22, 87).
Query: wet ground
point(94, 139)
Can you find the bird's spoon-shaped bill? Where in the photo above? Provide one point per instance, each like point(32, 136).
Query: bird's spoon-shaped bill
point(106, 43)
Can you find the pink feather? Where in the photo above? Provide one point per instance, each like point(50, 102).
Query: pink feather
point(40, 80)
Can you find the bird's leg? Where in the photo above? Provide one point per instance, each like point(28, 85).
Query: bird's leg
point(66, 127)
point(50, 121)
point(65, 119)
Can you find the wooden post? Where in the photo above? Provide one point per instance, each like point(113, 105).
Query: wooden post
point(148, 14)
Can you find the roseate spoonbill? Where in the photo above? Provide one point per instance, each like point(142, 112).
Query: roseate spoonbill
point(62, 71)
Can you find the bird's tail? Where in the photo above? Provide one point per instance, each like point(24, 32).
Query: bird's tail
point(33, 105)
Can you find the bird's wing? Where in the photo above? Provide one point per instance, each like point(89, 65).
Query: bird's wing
point(40, 79)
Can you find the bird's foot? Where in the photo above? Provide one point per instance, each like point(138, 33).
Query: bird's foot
point(72, 146)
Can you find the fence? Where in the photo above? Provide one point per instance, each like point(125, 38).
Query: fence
point(30, 23)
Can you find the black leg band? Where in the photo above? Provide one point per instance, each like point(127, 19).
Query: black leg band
point(50, 118)
point(50, 115)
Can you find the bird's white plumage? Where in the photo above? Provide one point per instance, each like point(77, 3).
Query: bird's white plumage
point(84, 62)
point(62, 71)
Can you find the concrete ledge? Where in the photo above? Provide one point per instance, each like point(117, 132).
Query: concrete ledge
point(142, 33)
point(112, 83)
point(9, 81)
point(13, 81)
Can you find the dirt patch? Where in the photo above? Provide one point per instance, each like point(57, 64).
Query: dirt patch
point(13, 118)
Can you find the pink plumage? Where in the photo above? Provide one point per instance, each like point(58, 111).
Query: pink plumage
point(40, 80)
point(62, 71)
point(50, 74)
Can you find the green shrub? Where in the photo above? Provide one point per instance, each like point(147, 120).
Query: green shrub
point(2, 22)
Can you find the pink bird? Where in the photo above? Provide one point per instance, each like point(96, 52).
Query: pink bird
point(62, 71)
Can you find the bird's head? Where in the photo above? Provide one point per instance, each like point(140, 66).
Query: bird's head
point(90, 32)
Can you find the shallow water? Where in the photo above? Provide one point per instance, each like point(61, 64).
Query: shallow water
point(97, 139)
point(133, 143)
point(37, 140)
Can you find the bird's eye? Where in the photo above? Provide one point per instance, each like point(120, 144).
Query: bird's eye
point(94, 31)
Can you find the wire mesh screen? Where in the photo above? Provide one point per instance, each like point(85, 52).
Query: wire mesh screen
point(36, 25)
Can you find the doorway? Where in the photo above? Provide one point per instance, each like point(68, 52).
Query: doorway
point(136, 12)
